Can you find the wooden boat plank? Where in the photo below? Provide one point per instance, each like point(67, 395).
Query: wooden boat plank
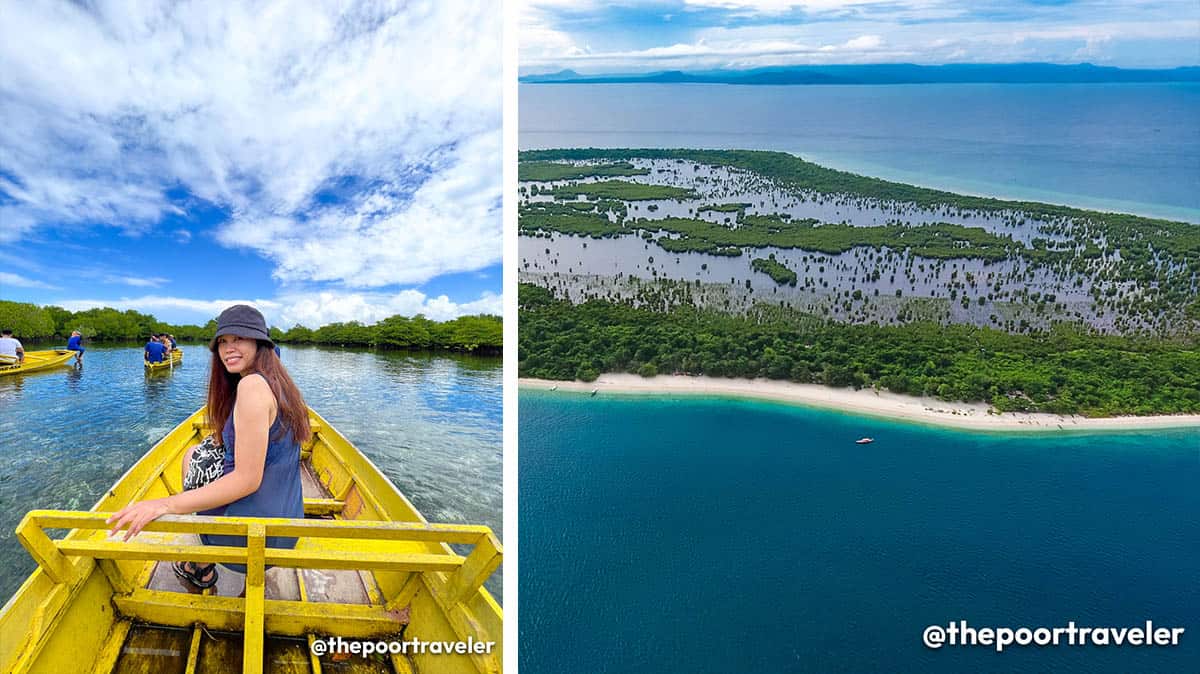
point(38, 360)
point(287, 656)
point(154, 650)
point(309, 484)
point(331, 586)
point(219, 652)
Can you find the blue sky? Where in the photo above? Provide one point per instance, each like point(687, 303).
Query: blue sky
point(593, 36)
point(324, 161)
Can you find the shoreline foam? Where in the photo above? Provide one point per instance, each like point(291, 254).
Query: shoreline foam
point(971, 416)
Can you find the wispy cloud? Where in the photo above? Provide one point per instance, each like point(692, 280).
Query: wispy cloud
point(451, 223)
point(153, 303)
point(702, 34)
point(262, 109)
point(17, 281)
point(137, 281)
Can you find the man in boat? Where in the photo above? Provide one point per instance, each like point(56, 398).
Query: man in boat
point(250, 467)
point(75, 343)
point(155, 351)
point(11, 350)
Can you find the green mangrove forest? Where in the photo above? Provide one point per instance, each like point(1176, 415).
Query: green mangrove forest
point(779, 272)
point(1138, 274)
point(479, 334)
point(1063, 370)
point(544, 171)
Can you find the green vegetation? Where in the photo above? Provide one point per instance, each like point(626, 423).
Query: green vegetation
point(1065, 370)
point(1162, 257)
point(544, 216)
point(621, 189)
point(467, 333)
point(778, 271)
point(939, 240)
point(544, 171)
point(724, 208)
point(26, 320)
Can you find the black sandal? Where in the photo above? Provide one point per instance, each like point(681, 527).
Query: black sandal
point(197, 574)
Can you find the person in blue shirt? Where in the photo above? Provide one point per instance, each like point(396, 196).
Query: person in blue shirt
point(155, 350)
point(174, 344)
point(75, 343)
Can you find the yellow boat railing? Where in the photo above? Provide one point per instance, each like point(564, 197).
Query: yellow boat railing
point(451, 578)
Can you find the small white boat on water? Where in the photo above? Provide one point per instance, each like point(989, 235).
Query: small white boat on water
point(864, 441)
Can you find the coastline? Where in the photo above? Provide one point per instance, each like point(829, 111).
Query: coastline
point(924, 410)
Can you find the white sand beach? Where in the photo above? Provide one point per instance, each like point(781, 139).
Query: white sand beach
point(975, 416)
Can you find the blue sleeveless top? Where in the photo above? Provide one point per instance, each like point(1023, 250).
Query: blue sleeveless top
point(279, 494)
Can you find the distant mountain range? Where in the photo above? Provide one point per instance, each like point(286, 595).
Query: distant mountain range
point(890, 73)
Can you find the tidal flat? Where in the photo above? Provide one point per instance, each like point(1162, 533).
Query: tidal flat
point(913, 254)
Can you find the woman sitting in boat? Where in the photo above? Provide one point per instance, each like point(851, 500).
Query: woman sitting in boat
point(250, 465)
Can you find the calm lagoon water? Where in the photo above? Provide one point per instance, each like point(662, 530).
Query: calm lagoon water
point(1124, 147)
point(712, 535)
point(431, 423)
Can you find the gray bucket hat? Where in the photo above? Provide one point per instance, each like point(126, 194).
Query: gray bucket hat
point(242, 320)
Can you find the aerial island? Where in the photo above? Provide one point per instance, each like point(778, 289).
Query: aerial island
point(759, 273)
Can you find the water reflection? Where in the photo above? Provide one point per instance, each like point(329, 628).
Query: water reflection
point(74, 377)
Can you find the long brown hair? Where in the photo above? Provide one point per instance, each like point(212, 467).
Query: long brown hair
point(222, 393)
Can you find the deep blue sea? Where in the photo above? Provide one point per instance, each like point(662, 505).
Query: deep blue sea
point(714, 535)
point(1122, 147)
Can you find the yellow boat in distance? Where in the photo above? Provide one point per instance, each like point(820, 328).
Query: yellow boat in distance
point(175, 360)
point(367, 568)
point(37, 360)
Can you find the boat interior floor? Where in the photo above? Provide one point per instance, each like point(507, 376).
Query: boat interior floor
point(153, 649)
point(321, 585)
point(167, 650)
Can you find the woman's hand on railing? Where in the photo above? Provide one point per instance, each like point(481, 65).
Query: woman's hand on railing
point(137, 515)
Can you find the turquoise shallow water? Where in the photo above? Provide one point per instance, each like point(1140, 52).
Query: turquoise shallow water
point(1123, 147)
point(431, 423)
point(715, 535)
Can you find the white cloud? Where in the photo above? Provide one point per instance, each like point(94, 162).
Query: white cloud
point(731, 51)
point(316, 309)
point(450, 224)
point(260, 108)
point(152, 303)
point(757, 33)
point(16, 281)
point(137, 281)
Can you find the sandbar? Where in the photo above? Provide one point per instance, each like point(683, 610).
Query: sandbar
point(974, 416)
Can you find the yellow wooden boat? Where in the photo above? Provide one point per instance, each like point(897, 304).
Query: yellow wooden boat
point(367, 567)
point(175, 360)
point(37, 360)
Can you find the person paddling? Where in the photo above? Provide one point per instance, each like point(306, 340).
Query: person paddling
point(250, 465)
